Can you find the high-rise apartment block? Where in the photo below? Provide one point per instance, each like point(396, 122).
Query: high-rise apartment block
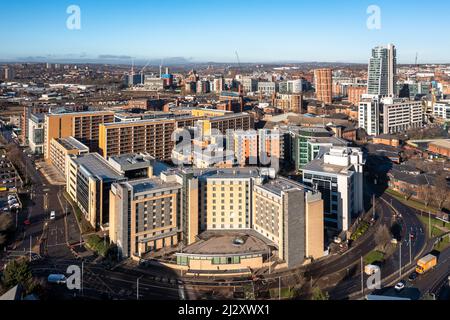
point(323, 79)
point(146, 136)
point(382, 71)
point(83, 126)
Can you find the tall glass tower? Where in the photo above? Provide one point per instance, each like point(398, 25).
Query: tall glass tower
point(382, 71)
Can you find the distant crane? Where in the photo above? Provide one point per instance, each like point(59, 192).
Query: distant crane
point(142, 72)
point(417, 62)
point(239, 61)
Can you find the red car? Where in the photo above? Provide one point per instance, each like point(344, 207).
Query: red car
point(27, 222)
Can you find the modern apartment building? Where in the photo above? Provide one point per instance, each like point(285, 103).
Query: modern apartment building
point(61, 148)
point(145, 216)
point(323, 81)
point(442, 110)
point(382, 71)
point(338, 175)
point(290, 215)
point(233, 121)
point(36, 133)
point(289, 102)
point(249, 84)
point(267, 88)
point(244, 145)
point(147, 136)
point(369, 111)
point(83, 126)
point(355, 94)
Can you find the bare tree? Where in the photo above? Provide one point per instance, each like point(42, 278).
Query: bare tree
point(382, 236)
point(427, 194)
point(442, 191)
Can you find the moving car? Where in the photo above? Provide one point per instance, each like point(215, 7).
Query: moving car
point(52, 215)
point(413, 276)
point(400, 286)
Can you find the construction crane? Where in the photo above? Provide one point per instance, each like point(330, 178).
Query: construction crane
point(239, 61)
point(142, 72)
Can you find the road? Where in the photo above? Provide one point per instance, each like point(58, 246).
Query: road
point(39, 200)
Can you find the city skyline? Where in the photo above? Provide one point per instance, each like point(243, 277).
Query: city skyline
point(208, 32)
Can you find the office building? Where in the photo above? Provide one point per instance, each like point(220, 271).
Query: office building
point(308, 142)
point(382, 71)
point(83, 126)
point(400, 115)
point(338, 175)
point(323, 81)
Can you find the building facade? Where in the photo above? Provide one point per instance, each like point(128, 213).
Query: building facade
point(323, 79)
point(382, 71)
point(338, 175)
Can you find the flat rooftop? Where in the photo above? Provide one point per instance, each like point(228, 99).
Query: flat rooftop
point(131, 161)
point(319, 165)
point(145, 185)
point(280, 185)
point(71, 143)
point(441, 143)
point(222, 243)
point(93, 164)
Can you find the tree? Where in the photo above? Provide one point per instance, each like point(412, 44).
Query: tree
point(17, 272)
point(319, 294)
point(6, 223)
point(382, 236)
point(442, 191)
point(427, 194)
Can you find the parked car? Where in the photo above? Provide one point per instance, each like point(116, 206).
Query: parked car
point(57, 279)
point(400, 286)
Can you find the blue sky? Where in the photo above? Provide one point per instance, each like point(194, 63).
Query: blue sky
point(212, 30)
